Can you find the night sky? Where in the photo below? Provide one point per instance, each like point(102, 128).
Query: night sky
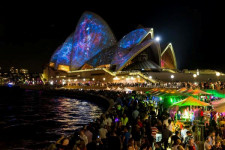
point(29, 34)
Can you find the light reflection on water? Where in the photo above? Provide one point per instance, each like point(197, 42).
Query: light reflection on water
point(39, 121)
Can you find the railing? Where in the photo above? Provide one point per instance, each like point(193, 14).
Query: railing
point(111, 73)
point(143, 76)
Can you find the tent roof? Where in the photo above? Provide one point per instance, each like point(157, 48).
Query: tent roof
point(107, 88)
point(127, 89)
point(198, 91)
point(220, 108)
point(218, 102)
point(190, 101)
point(182, 89)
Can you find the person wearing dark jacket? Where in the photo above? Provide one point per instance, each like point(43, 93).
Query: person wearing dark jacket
point(166, 133)
point(114, 142)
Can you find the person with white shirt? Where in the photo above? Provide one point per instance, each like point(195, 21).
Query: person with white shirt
point(135, 114)
point(183, 133)
point(109, 121)
point(102, 132)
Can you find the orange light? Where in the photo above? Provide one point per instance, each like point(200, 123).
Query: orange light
point(51, 64)
point(64, 68)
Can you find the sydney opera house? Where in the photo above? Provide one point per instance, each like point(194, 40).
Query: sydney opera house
point(92, 53)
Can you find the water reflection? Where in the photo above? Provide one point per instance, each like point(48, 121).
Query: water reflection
point(38, 121)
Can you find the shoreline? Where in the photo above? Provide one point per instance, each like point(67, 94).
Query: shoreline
point(104, 102)
point(101, 100)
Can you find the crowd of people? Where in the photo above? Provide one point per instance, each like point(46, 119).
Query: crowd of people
point(134, 123)
point(202, 85)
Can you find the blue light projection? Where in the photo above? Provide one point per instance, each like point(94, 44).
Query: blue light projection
point(132, 38)
point(123, 60)
point(63, 53)
point(127, 43)
point(94, 43)
point(103, 57)
point(91, 36)
point(55, 55)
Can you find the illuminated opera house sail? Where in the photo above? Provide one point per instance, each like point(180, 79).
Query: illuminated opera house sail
point(93, 46)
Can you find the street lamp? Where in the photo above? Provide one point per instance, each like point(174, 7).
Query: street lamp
point(157, 39)
point(172, 76)
point(197, 72)
point(194, 75)
point(217, 74)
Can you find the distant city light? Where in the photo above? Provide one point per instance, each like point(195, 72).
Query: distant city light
point(10, 84)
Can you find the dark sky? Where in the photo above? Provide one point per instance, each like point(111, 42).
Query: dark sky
point(29, 34)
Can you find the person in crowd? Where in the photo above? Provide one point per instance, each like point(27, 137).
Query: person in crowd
point(136, 134)
point(180, 147)
point(145, 145)
point(83, 137)
point(166, 133)
point(188, 137)
point(88, 133)
point(154, 131)
point(175, 137)
point(191, 145)
point(80, 146)
point(207, 143)
point(217, 146)
point(213, 136)
point(114, 142)
point(126, 137)
point(184, 133)
point(177, 143)
point(124, 120)
point(135, 114)
point(165, 121)
point(103, 131)
point(131, 145)
point(210, 138)
point(109, 121)
point(158, 146)
point(170, 126)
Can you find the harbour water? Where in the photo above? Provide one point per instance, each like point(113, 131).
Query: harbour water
point(33, 121)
